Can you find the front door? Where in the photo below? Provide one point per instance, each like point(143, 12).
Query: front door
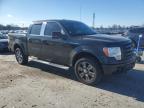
point(55, 50)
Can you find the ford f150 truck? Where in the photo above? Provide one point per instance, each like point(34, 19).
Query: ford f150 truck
point(74, 44)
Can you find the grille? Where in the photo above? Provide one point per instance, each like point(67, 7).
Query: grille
point(127, 51)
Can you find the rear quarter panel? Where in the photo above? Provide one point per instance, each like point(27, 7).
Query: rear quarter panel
point(18, 39)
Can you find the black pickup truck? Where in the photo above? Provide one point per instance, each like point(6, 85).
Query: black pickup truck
point(74, 44)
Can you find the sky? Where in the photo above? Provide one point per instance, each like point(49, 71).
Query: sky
point(107, 12)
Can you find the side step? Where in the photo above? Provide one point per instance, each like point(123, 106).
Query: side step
point(48, 63)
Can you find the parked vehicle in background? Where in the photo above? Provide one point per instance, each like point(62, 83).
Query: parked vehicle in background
point(5, 33)
point(20, 31)
point(133, 33)
point(1, 34)
point(74, 44)
point(3, 43)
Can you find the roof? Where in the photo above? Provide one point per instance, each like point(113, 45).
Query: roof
point(57, 20)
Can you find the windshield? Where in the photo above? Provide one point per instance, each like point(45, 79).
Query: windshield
point(75, 28)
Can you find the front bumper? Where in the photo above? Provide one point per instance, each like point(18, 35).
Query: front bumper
point(118, 68)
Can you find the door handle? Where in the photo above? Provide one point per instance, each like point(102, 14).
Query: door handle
point(29, 40)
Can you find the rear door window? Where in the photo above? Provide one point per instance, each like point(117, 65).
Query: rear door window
point(36, 29)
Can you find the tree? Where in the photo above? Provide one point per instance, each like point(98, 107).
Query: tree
point(8, 27)
point(1, 27)
point(12, 27)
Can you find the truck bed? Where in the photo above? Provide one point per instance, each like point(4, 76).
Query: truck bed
point(15, 38)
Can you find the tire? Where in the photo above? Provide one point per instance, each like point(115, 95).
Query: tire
point(20, 56)
point(138, 59)
point(88, 71)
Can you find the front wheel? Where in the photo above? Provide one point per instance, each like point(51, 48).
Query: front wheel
point(88, 71)
point(20, 56)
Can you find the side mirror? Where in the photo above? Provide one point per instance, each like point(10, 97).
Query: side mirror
point(56, 35)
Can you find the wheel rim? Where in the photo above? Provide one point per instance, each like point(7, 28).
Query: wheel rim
point(86, 71)
point(19, 55)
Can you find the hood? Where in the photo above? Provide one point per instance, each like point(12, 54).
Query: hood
point(101, 40)
point(3, 40)
point(105, 38)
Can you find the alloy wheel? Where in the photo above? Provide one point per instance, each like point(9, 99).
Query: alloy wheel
point(86, 71)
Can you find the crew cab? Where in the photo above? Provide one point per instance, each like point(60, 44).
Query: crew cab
point(74, 44)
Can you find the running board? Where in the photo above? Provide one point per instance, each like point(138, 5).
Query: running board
point(48, 63)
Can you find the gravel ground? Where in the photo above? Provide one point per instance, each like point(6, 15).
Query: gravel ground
point(43, 86)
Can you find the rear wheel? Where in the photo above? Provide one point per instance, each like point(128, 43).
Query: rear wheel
point(20, 56)
point(88, 71)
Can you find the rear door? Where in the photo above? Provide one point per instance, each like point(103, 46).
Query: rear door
point(35, 40)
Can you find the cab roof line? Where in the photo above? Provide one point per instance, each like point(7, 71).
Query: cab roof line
point(40, 21)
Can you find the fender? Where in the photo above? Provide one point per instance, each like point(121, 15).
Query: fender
point(82, 49)
point(22, 46)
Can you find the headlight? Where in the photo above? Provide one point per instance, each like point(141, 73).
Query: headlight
point(113, 52)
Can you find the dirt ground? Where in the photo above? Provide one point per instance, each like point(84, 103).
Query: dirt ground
point(38, 85)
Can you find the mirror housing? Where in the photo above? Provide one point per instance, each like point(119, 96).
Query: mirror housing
point(56, 35)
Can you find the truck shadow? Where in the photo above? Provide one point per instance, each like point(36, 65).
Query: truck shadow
point(130, 84)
